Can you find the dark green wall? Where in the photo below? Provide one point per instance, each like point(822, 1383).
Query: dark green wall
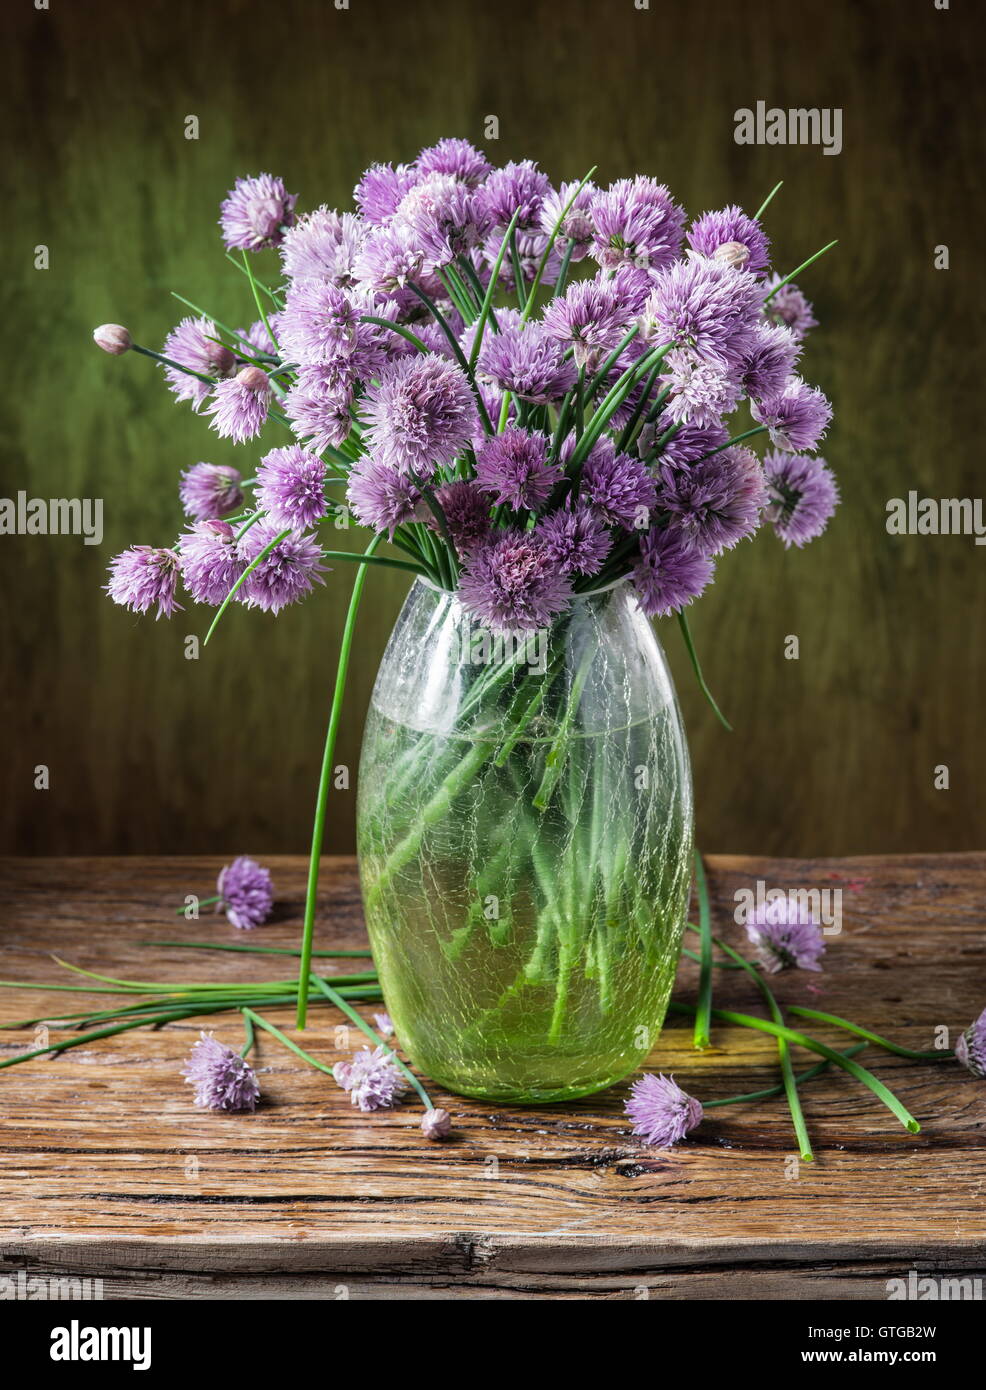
point(833, 753)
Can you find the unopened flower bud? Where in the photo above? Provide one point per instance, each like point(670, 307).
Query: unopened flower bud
point(253, 379)
point(734, 253)
point(436, 1124)
point(112, 338)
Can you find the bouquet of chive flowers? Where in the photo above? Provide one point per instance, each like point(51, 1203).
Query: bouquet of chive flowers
point(527, 393)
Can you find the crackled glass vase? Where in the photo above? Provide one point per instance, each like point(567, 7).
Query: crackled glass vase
point(525, 838)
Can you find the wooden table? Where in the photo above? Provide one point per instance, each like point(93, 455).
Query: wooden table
point(107, 1169)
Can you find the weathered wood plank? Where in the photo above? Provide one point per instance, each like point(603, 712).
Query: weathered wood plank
point(107, 1169)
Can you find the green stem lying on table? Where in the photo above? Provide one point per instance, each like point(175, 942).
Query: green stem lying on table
point(322, 797)
point(704, 1011)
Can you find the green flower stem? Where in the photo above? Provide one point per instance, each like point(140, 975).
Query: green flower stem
point(518, 270)
point(693, 657)
point(260, 950)
point(82, 1038)
point(555, 757)
point(374, 1037)
point(610, 362)
point(395, 328)
point(635, 422)
point(694, 955)
point(457, 352)
point(767, 201)
point(795, 273)
point(772, 1091)
point(249, 569)
point(167, 362)
point(783, 1051)
point(487, 306)
point(468, 271)
point(763, 1025)
point(202, 902)
point(251, 1036)
point(274, 298)
point(285, 1041)
point(885, 1043)
point(322, 797)
point(204, 314)
point(374, 560)
point(545, 255)
point(736, 439)
point(614, 399)
point(256, 298)
point(701, 1038)
point(563, 269)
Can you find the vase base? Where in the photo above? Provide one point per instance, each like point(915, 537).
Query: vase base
point(499, 1092)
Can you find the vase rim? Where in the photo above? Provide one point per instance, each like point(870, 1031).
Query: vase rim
point(586, 593)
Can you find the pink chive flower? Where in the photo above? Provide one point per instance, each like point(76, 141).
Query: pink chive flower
point(209, 491)
point(371, 1078)
point(142, 577)
point(239, 407)
point(223, 1080)
point(210, 561)
point(255, 213)
point(970, 1049)
point(246, 893)
point(785, 936)
point(291, 487)
point(661, 1111)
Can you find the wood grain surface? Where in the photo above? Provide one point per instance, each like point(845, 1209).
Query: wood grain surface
point(108, 1170)
point(152, 753)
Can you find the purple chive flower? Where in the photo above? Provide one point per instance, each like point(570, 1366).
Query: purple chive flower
point(630, 286)
point(790, 308)
point(391, 256)
point(381, 497)
point(769, 361)
point(246, 893)
point(210, 561)
point(209, 491)
point(223, 1080)
point(514, 467)
point(796, 419)
point(286, 574)
point(636, 222)
point(381, 189)
point(371, 1078)
point(419, 413)
point(190, 345)
point(436, 1124)
point(385, 1024)
point(784, 934)
point(521, 185)
point(702, 389)
point(318, 407)
point(323, 245)
point(239, 407)
point(141, 577)
point(576, 225)
point(589, 318)
point(317, 324)
point(671, 572)
point(618, 487)
point(456, 157)
point(512, 585)
point(731, 236)
point(703, 305)
point(255, 213)
point(662, 1113)
point(528, 361)
point(445, 219)
point(467, 514)
point(802, 496)
point(575, 538)
point(291, 487)
point(970, 1047)
point(718, 502)
point(690, 443)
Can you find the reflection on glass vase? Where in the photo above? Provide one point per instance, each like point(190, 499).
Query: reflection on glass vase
point(525, 838)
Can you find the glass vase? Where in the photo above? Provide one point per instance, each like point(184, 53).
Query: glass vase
point(525, 840)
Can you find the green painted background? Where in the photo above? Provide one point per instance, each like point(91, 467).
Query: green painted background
point(833, 753)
